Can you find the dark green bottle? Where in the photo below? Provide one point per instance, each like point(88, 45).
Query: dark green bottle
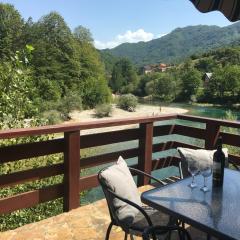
point(218, 165)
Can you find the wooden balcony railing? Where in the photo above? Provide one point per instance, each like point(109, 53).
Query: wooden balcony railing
point(73, 142)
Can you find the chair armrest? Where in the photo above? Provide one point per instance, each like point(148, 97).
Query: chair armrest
point(156, 230)
point(134, 170)
point(140, 209)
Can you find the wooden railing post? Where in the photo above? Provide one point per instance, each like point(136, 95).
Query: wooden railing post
point(71, 170)
point(212, 134)
point(145, 146)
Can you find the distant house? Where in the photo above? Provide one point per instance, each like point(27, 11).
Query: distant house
point(147, 69)
point(162, 67)
point(206, 78)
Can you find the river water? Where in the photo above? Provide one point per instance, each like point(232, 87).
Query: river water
point(205, 111)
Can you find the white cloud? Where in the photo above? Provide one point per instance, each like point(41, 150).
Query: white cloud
point(132, 37)
point(128, 36)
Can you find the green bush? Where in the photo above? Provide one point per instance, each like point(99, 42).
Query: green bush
point(47, 105)
point(52, 117)
point(103, 110)
point(59, 110)
point(128, 102)
point(72, 101)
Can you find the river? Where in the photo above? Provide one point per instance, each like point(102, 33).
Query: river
point(204, 111)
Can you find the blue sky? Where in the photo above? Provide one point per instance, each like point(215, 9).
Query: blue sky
point(116, 21)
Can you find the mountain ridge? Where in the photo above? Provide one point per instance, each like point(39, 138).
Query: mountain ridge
point(178, 44)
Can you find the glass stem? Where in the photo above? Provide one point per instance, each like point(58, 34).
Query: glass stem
point(193, 179)
point(205, 182)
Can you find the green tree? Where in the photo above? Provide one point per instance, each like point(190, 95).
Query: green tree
point(141, 87)
point(109, 61)
point(55, 58)
point(11, 27)
point(64, 61)
point(191, 82)
point(226, 56)
point(16, 92)
point(175, 74)
point(215, 87)
point(92, 83)
point(83, 34)
point(205, 65)
point(61, 62)
point(161, 87)
point(124, 77)
point(232, 79)
point(225, 83)
point(48, 90)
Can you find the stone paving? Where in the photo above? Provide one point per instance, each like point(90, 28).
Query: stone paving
point(84, 223)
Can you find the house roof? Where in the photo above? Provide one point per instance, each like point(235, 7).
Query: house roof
point(162, 65)
point(209, 75)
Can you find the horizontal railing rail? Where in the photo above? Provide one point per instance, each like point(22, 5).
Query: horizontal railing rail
point(224, 123)
point(148, 138)
point(71, 127)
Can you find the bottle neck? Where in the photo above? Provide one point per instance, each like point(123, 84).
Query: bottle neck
point(219, 143)
point(219, 147)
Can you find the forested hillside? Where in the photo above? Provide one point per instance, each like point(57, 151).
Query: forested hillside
point(59, 68)
point(178, 45)
point(188, 82)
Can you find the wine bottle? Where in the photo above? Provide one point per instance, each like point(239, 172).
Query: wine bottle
point(218, 165)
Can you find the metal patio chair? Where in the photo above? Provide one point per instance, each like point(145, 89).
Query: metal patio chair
point(145, 220)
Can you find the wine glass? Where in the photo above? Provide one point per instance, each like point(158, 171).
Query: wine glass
point(206, 171)
point(193, 168)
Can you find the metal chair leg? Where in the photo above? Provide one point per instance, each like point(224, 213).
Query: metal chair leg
point(183, 225)
point(108, 231)
point(169, 235)
point(208, 236)
point(125, 236)
point(180, 235)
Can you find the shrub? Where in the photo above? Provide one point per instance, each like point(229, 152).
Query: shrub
point(45, 106)
point(52, 116)
point(193, 98)
point(72, 101)
point(127, 102)
point(103, 110)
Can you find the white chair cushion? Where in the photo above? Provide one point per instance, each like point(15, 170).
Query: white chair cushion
point(119, 179)
point(197, 154)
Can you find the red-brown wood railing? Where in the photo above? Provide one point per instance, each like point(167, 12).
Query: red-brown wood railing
point(72, 142)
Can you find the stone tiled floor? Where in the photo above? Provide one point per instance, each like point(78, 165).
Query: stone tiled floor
point(85, 223)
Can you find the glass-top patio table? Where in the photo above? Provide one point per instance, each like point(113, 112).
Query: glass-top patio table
point(216, 212)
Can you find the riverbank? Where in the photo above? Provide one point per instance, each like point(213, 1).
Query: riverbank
point(117, 113)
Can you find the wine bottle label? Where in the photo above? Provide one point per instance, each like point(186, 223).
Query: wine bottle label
point(216, 167)
point(216, 172)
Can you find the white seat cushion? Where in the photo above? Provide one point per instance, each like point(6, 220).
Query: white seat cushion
point(197, 154)
point(119, 179)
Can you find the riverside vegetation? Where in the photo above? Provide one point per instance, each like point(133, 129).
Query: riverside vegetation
point(185, 82)
point(47, 70)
